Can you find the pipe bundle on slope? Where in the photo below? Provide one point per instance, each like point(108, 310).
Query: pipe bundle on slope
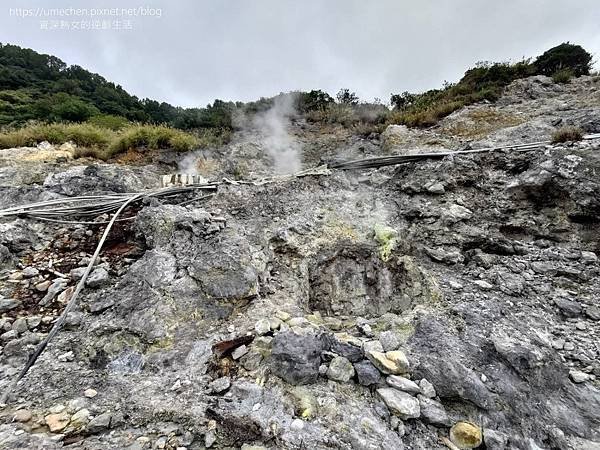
point(65, 210)
point(381, 161)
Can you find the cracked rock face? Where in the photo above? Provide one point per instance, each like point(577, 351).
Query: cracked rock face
point(279, 316)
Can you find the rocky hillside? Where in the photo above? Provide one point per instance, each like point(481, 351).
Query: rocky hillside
point(448, 303)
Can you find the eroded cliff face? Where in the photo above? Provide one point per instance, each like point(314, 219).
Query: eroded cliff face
point(370, 309)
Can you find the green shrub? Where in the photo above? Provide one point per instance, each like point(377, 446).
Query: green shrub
point(562, 76)
point(564, 56)
point(109, 121)
point(83, 135)
point(567, 134)
point(152, 137)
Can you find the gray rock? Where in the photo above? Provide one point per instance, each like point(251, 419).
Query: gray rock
point(494, 440)
point(340, 369)
point(33, 322)
point(593, 312)
point(30, 272)
point(449, 257)
point(578, 376)
point(588, 257)
point(296, 357)
point(400, 403)
point(20, 325)
point(98, 278)
point(239, 352)
point(403, 384)
point(367, 373)
point(6, 304)
point(9, 335)
point(101, 304)
point(389, 340)
point(568, 308)
point(427, 389)
point(219, 385)
point(55, 289)
point(77, 273)
point(99, 423)
point(452, 379)
point(433, 412)
point(346, 346)
point(262, 327)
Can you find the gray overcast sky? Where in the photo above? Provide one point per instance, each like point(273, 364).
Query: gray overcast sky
point(199, 50)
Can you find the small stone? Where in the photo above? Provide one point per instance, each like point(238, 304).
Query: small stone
point(219, 385)
point(282, 315)
point(588, 257)
point(66, 357)
point(403, 384)
point(210, 438)
point(466, 435)
point(389, 340)
point(80, 418)
point(22, 415)
point(275, 323)
point(568, 308)
point(297, 425)
point(99, 423)
point(400, 403)
point(577, 376)
point(77, 273)
point(340, 369)
point(581, 326)
point(483, 284)
point(57, 422)
point(6, 304)
point(433, 412)
point(367, 373)
point(33, 322)
point(593, 312)
point(239, 352)
point(43, 286)
point(387, 365)
point(262, 327)
point(558, 344)
point(90, 393)
point(99, 277)
point(323, 369)
point(15, 276)
point(427, 388)
point(436, 188)
point(9, 335)
point(20, 325)
point(30, 272)
point(373, 346)
point(569, 346)
point(494, 440)
point(454, 285)
point(253, 447)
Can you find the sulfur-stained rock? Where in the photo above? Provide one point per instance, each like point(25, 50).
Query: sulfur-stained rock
point(466, 435)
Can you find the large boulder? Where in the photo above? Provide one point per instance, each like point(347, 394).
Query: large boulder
point(296, 357)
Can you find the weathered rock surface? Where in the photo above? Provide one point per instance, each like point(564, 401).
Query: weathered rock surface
point(274, 316)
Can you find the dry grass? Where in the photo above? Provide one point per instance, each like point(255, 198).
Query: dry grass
point(480, 122)
point(99, 142)
point(567, 134)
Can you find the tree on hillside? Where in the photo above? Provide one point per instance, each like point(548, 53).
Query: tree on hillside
point(564, 56)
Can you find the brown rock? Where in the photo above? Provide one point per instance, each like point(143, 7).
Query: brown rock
point(57, 422)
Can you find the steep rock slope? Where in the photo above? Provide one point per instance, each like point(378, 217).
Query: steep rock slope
point(378, 309)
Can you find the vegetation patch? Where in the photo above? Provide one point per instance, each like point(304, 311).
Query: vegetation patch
point(95, 141)
point(567, 134)
point(387, 238)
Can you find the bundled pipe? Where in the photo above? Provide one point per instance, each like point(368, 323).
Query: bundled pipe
point(71, 209)
point(381, 161)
